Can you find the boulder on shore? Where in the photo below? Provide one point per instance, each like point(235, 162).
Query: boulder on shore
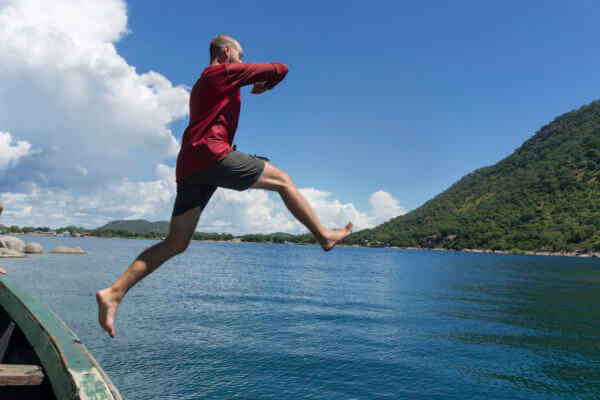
point(34, 248)
point(12, 243)
point(68, 250)
point(9, 253)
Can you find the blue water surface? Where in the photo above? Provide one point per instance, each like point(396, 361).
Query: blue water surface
point(253, 321)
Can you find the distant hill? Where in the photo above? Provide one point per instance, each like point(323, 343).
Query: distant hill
point(545, 196)
point(136, 226)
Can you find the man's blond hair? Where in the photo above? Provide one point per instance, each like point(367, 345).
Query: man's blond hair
point(218, 44)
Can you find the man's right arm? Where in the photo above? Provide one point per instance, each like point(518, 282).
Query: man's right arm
point(242, 74)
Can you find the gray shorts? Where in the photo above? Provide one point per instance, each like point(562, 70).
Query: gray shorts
point(237, 171)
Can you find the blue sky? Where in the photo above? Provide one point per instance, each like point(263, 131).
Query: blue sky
point(405, 97)
point(386, 104)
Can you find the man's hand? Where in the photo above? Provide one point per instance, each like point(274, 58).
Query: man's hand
point(259, 87)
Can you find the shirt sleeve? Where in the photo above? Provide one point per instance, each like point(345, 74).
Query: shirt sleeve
point(242, 74)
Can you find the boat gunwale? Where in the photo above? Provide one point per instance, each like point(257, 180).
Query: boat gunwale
point(78, 375)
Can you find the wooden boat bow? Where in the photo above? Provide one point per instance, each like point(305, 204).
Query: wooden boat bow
point(71, 370)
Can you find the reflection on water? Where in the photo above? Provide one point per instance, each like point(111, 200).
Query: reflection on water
point(541, 318)
point(274, 321)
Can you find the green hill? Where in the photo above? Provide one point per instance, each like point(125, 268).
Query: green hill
point(137, 226)
point(545, 196)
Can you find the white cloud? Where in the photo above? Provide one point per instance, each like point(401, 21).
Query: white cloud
point(134, 200)
point(68, 92)
point(258, 211)
point(384, 207)
point(10, 155)
point(251, 211)
point(56, 207)
point(332, 213)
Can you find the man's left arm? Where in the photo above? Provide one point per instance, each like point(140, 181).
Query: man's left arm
point(264, 76)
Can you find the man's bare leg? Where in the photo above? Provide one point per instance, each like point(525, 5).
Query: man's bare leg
point(272, 178)
point(181, 231)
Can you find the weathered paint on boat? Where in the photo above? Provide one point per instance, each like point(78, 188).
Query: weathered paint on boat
point(71, 369)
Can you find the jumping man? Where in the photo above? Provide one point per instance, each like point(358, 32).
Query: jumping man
point(207, 160)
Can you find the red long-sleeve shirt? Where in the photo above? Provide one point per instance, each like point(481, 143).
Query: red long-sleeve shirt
point(215, 104)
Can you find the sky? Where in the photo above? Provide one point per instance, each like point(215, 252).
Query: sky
point(387, 103)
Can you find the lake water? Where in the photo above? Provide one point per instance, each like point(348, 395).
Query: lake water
point(251, 321)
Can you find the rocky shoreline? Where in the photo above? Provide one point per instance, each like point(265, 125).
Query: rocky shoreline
point(528, 253)
point(13, 247)
point(580, 254)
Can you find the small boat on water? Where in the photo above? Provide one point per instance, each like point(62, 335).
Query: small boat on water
point(40, 357)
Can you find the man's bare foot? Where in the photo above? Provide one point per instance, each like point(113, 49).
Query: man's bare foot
point(107, 310)
point(337, 235)
point(2, 271)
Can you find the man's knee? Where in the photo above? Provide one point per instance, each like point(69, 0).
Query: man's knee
point(176, 246)
point(283, 181)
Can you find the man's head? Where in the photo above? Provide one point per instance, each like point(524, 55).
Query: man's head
point(224, 48)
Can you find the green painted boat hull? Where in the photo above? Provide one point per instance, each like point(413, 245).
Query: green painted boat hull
point(72, 371)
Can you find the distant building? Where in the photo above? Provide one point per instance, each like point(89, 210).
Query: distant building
point(44, 233)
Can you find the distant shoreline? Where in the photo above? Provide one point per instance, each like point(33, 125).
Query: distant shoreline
point(481, 251)
point(526, 253)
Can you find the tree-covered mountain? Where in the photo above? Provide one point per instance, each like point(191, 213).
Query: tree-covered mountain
point(150, 230)
point(136, 226)
point(545, 196)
